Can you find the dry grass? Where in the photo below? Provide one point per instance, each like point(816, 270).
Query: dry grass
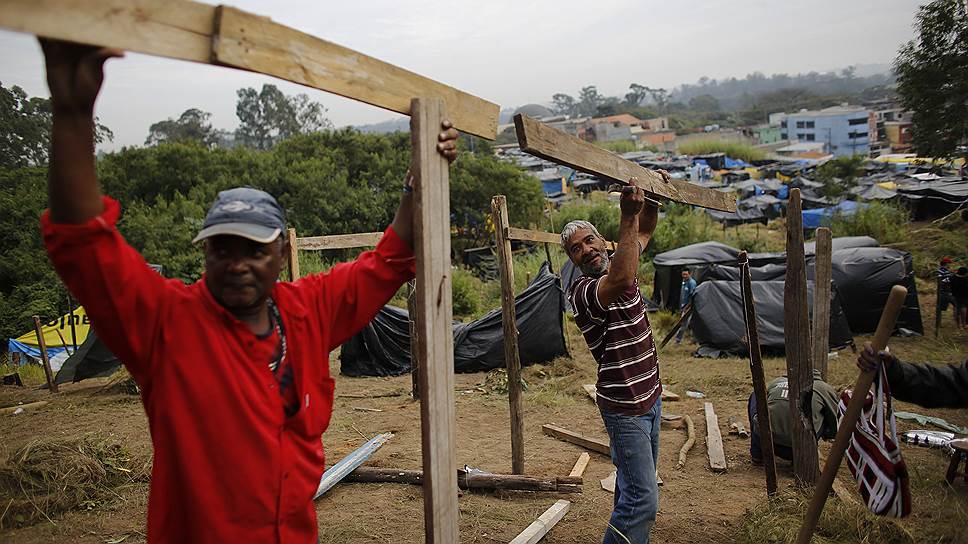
point(778, 520)
point(45, 478)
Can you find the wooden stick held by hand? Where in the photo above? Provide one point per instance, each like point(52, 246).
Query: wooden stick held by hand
point(895, 302)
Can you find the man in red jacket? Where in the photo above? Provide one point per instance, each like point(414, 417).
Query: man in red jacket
point(233, 369)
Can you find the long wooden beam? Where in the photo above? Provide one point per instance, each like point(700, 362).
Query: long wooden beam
point(554, 145)
point(796, 336)
point(578, 439)
point(540, 236)
point(438, 418)
point(338, 241)
point(198, 32)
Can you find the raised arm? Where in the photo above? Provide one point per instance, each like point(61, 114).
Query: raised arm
point(625, 262)
point(403, 220)
point(74, 75)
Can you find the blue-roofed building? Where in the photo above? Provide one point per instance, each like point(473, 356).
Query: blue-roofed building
point(844, 130)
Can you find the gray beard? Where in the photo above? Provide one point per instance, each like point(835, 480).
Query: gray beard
point(601, 268)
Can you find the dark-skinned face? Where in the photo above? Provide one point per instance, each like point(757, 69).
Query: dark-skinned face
point(587, 252)
point(240, 273)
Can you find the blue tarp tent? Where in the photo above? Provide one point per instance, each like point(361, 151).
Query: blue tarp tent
point(821, 216)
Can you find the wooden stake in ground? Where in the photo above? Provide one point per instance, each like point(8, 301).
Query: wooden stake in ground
point(434, 319)
point(537, 530)
point(48, 373)
point(895, 302)
point(821, 301)
point(512, 356)
point(764, 429)
point(714, 440)
point(796, 334)
point(293, 255)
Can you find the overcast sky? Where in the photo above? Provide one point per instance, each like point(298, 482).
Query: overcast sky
point(511, 53)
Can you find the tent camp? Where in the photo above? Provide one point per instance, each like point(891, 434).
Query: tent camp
point(382, 348)
point(820, 217)
point(718, 322)
point(57, 335)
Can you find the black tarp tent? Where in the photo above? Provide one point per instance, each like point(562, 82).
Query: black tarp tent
point(935, 198)
point(719, 327)
point(91, 360)
point(862, 276)
point(382, 348)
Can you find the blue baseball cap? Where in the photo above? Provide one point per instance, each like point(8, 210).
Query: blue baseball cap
point(246, 212)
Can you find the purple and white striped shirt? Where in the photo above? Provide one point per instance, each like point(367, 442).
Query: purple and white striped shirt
point(620, 339)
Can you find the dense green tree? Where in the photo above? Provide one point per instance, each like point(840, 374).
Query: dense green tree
point(191, 125)
point(932, 78)
point(564, 104)
point(25, 128)
point(269, 116)
point(588, 100)
point(637, 93)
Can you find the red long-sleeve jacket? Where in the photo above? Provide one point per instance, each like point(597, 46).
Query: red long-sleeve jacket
point(228, 465)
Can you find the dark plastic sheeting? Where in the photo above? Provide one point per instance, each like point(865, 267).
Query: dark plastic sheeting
point(382, 348)
point(718, 324)
point(91, 360)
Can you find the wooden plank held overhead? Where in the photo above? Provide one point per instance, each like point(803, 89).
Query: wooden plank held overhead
point(557, 146)
point(198, 32)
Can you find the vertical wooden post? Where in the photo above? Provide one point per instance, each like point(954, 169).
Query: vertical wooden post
point(512, 357)
point(433, 322)
point(293, 256)
point(796, 333)
point(39, 329)
point(764, 429)
point(414, 339)
point(821, 301)
point(845, 430)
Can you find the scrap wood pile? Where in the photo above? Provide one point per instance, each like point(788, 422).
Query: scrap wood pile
point(46, 478)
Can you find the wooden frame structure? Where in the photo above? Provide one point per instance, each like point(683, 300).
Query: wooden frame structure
point(503, 235)
point(223, 35)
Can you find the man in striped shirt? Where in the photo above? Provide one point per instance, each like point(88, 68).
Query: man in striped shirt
point(611, 315)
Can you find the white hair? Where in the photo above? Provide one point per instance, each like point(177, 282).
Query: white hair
point(572, 227)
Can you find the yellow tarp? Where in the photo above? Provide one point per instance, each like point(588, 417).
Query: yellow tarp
point(61, 325)
point(888, 185)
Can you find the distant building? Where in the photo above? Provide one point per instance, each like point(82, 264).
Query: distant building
point(898, 136)
point(766, 134)
point(845, 130)
point(889, 111)
point(804, 150)
point(776, 118)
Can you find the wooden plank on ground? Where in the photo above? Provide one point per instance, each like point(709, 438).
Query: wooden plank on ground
point(434, 319)
point(796, 335)
point(714, 440)
point(554, 145)
point(293, 255)
point(821, 300)
point(512, 355)
point(41, 403)
point(580, 465)
point(578, 439)
point(339, 241)
point(537, 530)
point(351, 462)
point(193, 31)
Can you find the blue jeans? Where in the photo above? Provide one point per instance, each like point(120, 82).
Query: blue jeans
point(635, 448)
